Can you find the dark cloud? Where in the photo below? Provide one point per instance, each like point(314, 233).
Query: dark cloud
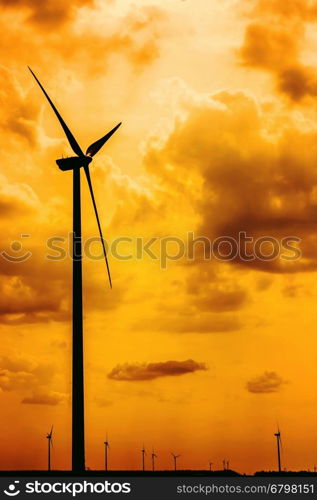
point(150, 371)
point(266, 383)
point(273, 41)
point(268, 47)
point(47, 13)
point(296, 9)
point(254, 179)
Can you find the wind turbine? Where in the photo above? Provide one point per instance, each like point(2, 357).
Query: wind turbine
point(107, 445)
point(210, 466)
point(227, 467)
point(49, 437)
point(75, 163)
point(154, 456)
point(279, 444)
point(175, 460)
point(143, 458)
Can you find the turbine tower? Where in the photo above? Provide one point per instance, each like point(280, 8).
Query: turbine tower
point(175, 460)
point(154, 456)
point(143, 458)
point(279, 443)
point(49, 437)
point(107, 445)
point(210, 466)
point(75, 163)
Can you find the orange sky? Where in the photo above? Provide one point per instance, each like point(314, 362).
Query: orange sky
point(219, 135)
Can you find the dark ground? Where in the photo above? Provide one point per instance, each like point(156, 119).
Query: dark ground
point(159, 473)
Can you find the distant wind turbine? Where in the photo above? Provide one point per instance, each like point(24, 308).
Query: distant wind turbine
point(154, 456)
point(175, 460)
point(279, 444)
point(107, 445)
point(143, 458)
point(227, 465)
point(210, 466)
point(75, 163)
point(49, 437)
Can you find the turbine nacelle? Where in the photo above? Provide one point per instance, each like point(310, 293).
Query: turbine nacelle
point(73, 162)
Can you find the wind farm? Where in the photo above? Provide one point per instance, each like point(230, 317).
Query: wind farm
point(75, 163)
point(195, 332)
point(223, 469)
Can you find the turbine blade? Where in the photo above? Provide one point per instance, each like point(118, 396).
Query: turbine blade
point(51, 430)
point(86, 168)
point(71, 139)
point(95, 146)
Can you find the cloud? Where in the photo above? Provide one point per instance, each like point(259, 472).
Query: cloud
point(133, 38)
point(19, 113)
point(192, 322)
point(26, 376)
point(150, 371)
point(268, 47)
point(256, 175)
point(297, 9)
point(47, 14)
point(50, 399)
point(209, 291)
point(273, 41)
point(266, 383)
point(26, 298)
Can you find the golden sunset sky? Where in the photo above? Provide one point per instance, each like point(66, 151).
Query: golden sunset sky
point(205, 358)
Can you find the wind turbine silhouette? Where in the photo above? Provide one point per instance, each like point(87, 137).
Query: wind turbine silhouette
point(49, 437)
point(279, 444)
point(143, 458)
point(107, 445)
point(210, 466)
point(75, 163)
point(175, 460)
point(154, 456)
